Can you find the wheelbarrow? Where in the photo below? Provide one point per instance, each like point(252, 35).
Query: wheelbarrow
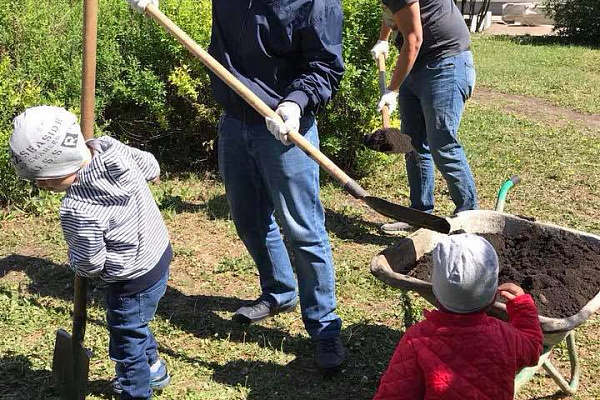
point(393, 264)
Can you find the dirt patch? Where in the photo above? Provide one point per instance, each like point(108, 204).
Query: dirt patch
point(560, 271)
point(536, 109)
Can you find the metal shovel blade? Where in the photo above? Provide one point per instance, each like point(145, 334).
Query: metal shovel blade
point(70, 367)
point(409, 215)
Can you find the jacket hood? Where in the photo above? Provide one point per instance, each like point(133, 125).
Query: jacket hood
point(106, 180)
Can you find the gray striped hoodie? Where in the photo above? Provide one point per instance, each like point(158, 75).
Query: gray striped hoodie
point(109, 218)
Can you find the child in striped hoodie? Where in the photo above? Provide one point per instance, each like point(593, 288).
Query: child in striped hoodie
point(113, 228)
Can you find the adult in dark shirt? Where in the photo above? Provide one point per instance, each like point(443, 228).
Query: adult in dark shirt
point(433, 78)
point(289, 53)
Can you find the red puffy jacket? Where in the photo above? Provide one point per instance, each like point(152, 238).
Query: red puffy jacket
point(464, 356)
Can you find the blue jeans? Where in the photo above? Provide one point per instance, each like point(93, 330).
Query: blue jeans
point(431, 102)
point(264, 178)
point(132, 345)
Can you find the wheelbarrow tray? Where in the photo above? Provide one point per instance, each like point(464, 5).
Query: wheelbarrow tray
point(392, 264)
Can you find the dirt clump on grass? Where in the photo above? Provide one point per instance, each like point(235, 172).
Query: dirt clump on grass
point(560, 270)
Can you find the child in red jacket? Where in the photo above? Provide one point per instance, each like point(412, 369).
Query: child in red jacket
point(458, 351)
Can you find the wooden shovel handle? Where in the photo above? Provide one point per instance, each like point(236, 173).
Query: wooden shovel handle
point(385, 111)
point(253, 100)
point(88, 79)
point(79, 309)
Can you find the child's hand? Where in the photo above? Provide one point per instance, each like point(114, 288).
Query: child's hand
point(509, 291)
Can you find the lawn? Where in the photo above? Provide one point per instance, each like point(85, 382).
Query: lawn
point(540, 67)
point(210, 357)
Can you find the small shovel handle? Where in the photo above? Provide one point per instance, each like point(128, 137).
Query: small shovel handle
point(79, 309)
point(349, 184)
point(385, 111)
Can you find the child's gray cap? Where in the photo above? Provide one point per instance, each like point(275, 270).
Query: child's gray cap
point(47, 143)
point(465, 273)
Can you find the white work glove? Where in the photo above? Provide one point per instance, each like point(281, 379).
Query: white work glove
point(381, 47)
point(289, 121)
point(140, 5)
point(389, 98)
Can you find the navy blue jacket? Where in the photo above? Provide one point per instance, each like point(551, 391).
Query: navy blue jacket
point(281, 49)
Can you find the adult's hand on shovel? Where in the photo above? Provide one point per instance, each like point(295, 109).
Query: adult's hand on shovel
point(389, 99)
point(140, 5)
point(289, 113)
point(381, 47)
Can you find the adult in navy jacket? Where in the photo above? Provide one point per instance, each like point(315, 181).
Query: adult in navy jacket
point(289, 53)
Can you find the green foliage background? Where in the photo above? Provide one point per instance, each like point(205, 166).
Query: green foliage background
point(578, 20)
point(150, 91)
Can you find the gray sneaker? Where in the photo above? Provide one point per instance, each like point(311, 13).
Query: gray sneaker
point(396, 228)
point(159, 378)
point(258, 310)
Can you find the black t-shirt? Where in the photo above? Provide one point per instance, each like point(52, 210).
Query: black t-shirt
point(445, 32)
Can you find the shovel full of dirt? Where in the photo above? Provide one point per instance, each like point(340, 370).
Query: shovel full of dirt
point(387, 139)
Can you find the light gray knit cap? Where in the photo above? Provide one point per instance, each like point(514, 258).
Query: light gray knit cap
point(47, 143)
point(465, 273)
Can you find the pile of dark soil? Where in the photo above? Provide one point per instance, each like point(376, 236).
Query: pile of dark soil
point(560, 270)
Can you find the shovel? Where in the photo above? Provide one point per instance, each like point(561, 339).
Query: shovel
point(384, 207)
point(71, 360)
point(387, 139)
point(70, 365)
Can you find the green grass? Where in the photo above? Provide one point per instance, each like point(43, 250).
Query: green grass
point(541, 67)
point(209, 356)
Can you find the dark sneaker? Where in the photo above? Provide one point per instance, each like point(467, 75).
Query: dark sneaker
point(396, 228)
point(258, 310)
point(330, 354)
point(159, 378)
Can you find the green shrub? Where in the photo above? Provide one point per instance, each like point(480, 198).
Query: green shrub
point(150, 91)
point(138, 95)
point(579, 20)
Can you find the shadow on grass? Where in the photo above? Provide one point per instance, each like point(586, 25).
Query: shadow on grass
point(355, 229)
point(370, 346)
point(21, 381)
point(215, 208)
point(342, 225)
point(549, 41)
point(555, 396)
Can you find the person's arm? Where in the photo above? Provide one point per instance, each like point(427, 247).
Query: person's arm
point(403, 379)
point(384, 32)
point(523, 316)
point(408, 19)
point(146, 162)
point(321, 48)
point(85, 237)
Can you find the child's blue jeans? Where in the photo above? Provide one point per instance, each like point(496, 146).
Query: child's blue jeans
point(132, 345)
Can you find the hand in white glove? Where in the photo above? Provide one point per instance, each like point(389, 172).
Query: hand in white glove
point(140, 5)
point(381, 47)
point(389, 98)
point(289, 121)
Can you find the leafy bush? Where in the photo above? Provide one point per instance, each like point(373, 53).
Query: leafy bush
point(150, 91)
point(577, 19)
